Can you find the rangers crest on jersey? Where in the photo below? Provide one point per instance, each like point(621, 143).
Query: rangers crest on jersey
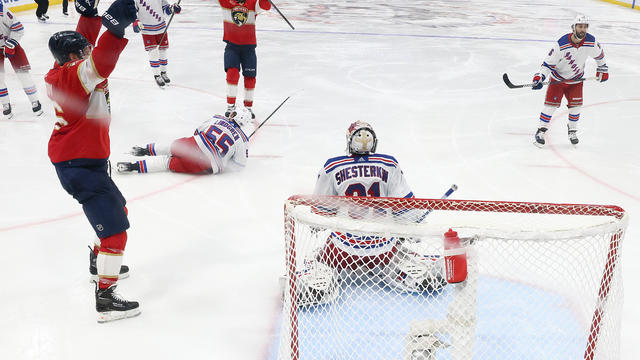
point(239, 15)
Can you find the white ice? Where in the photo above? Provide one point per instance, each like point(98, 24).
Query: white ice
point(206, 251)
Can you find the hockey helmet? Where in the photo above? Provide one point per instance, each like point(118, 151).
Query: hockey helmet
point(579, 19)
point(63, 43)
point(241, 116)
point(361, 139)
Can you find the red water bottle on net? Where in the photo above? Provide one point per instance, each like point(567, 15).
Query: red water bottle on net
point(455, 258)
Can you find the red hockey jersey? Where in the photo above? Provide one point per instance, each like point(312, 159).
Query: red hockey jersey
point(240, 20)
point(80, 94)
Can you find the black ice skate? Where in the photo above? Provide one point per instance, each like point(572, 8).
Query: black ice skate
point(128, 167)
point(93, 269)
point(110, 306)
point(540, 137)
point(159, 81)
point(253, 116)
point(36, 107)
point(165, 77)
point(572, 136)
point(230, 110)
point(6, 110)
point(139, 151)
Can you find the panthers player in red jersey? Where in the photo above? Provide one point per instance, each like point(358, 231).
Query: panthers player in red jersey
point(79, 144)
point(239, 18)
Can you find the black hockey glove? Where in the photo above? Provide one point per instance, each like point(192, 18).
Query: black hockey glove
point(86, 8)
point(118, 16)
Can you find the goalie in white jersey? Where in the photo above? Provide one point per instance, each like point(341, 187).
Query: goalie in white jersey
point(363, 172)
point(566, 62)
point(218, 145)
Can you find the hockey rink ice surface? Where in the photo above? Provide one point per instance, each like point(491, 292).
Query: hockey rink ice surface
point(206, 251)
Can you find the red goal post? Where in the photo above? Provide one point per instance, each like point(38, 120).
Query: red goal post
point(543, 281)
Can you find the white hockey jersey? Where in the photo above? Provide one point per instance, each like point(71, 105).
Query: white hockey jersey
point(151, 16)
point(566, 60)
point(224, 143)
point(376, 175)
point(10, 27)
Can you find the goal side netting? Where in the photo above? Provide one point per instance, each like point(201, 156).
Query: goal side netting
point(409, 279)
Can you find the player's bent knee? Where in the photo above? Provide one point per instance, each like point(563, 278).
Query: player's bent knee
point(114, 244)
point(233, 75)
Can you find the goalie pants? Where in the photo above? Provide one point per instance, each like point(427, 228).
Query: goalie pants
point(88, 181)
point(339, 259)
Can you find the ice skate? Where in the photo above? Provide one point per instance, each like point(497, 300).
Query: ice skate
point(93, 270)
point(165, 77)
point(253, 116)
point(124, 167)
point(573, 137)
point(139, 151)
point(36, 107)
point(110, 306)
point(42, 19)
point(65, 13)
point(159, 81)
point(6, 110)
point(540, 137)
point(230, 110)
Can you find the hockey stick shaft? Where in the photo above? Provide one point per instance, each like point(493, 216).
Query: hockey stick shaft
point(448, 193)
point(510, 85)
point(167, 28)
point(279, 12)
point(270, 115)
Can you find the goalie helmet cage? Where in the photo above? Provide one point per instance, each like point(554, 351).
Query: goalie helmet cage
point(543, 281)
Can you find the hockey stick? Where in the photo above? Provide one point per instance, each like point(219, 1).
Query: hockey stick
point(453, 188)
point(278, 10)
point(510, 85)
point(268, 117)
point(167, 28)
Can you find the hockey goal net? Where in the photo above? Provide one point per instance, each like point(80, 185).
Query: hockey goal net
point(372, 278)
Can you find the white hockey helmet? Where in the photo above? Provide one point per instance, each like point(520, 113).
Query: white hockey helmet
point(580, 19)
point(361, 139)
point(240, 116)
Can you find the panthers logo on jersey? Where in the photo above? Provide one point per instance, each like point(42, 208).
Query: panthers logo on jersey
point(239, 15)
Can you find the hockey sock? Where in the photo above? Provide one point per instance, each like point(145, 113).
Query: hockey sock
point(233, 76)
point(545, 116)
point(162, 54)
point(249, 86)
point(28, 85)
point(4, 92)
point(154, 61)
point(110, 259)
point(159, 163)
point(156, 149)
point(574, 116)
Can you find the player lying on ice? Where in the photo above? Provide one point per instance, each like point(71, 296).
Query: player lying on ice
point(401, 268)
point(218, 145)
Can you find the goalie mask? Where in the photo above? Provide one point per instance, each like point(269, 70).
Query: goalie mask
point(361, 139)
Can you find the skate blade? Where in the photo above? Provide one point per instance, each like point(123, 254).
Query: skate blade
point(38, 113)
point(94, 278)
point(538, 145)
point(109, 316)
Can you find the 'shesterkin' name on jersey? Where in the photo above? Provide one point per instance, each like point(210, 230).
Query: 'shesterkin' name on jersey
point(232, 129)
point(361, 171)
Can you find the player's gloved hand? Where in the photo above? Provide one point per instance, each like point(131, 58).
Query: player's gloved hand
point(136, 26)
point(602, 73)
point(176, 8)
point(10, 47)
point(86, 7)
point(537, 81)
point(119, 16)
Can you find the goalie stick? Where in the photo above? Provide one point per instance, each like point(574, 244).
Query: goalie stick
point(511, 85)
point(453, 188)
point(268, 117)
point(278, 10)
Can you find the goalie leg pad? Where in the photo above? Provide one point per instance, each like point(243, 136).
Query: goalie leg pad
point(316, 284)
point(411, 272)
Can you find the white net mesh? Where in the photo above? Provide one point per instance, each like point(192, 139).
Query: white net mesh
point(365, 279)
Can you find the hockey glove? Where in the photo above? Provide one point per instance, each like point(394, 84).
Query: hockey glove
point(119, 16)
point(86, 7)
point(537, 81)
point(602, 73)
point(10, 47)
point(136, 26)
point(176, 8)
